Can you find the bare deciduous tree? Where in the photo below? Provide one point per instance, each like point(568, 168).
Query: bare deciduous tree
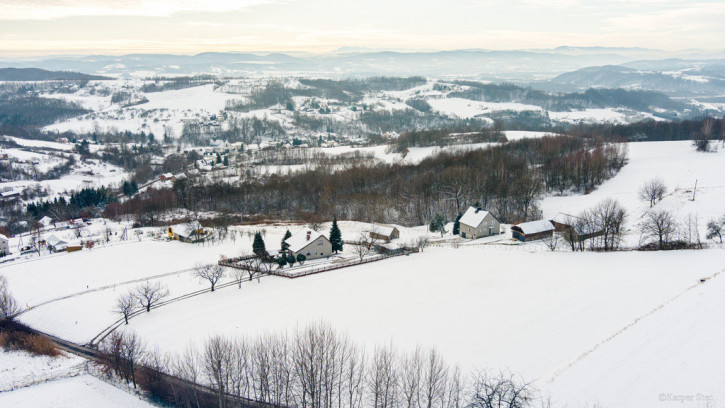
point(383, 381)
point(411, 372)
point(149, 294)
point(422, 243)
point(362, 246)
point(216, 363)
point(653, 191)
point(434, 380)
point(238, 275)
point(552, 242)
point(132, 351)
point(123, 352)
point(659, 226)
point(125, 305)
point(502, 390)
point(715, 229)
point(8, 305)
point(210, 272)
point(607, 217)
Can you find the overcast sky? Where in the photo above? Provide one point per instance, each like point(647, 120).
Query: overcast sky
point(41, 27)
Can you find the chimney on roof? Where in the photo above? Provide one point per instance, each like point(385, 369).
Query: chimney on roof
point(308, 234)
point(478, 209)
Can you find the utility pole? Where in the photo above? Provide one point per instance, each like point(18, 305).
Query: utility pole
point(694, 191)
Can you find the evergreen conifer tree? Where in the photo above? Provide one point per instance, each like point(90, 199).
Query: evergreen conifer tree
point(457, 224)
point(335, 236)
point(285, 245)
point(258, 246)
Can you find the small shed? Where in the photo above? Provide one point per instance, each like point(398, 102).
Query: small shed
point(46, 221)
point(385, 233)
point(533, 230)
point(166, 177)
point(389, 248)
point(192, 231)
point(56, 244)
point(577, 228)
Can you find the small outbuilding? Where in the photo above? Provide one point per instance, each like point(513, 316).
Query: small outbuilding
point(192, 231)
point(385, 233)
point(575, 227)
point(309, 243)
point(533, 230)
point(46, 222)
point(56, 244)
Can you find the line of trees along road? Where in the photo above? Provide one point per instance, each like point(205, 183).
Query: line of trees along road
point(316, 367)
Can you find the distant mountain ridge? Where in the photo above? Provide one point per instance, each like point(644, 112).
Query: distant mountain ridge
point(514, 65)
point(673, 77)
point(37, 74)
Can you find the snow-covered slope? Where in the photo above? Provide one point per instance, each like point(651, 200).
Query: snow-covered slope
point(677, 164)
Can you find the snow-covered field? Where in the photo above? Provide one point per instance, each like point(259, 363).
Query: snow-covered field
point(163, 110)
point(55, 290)
point(87, 173)
point(76, 392)
point(615, 329)
point(540, 314)
point(18, 368)
point(466, 108)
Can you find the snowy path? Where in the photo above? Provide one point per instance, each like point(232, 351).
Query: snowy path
point(703, 281)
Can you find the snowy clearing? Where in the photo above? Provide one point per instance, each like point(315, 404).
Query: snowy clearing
point(466, 108)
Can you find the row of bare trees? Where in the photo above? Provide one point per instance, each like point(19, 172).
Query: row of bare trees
point(600, 228)
point(144, 296)
point(603, 228)
point(317, 367)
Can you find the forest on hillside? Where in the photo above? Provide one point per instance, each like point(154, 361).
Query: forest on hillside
point(507, 179)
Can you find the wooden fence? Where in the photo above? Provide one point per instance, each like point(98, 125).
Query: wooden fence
point(233, 263)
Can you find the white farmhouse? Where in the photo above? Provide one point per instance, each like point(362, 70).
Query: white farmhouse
point(4, 247)
point(309, 243)
point(477, 223)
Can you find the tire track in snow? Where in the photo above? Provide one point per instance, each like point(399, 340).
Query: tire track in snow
point(594, 348)
point(100, 288)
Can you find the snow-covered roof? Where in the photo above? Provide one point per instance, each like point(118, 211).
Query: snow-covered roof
point(535, 227)
point(46, 220)
point(3, 237)
point(299, 240)
point(473, 216)
point(54, 241)
point(564, 218)
point(386, 230)
point(186, 229)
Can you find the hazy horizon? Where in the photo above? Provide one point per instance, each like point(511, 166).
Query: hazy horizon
point(62, 27)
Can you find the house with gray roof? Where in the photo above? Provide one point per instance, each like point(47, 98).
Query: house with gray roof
point(478, 223)
point(309, 243)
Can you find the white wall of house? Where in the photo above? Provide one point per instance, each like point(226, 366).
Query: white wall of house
point(4, 247)
point(489, 226)
point(319, 248)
